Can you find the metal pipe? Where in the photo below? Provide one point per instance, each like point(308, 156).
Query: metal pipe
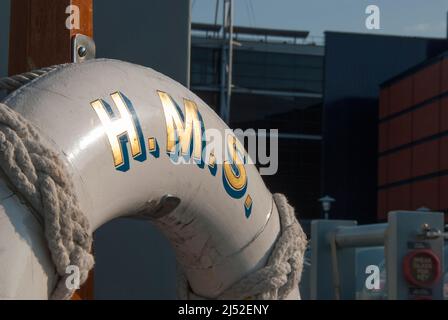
point(229, 62)
point(223, 71)
point(216, 12)
point(226, 60)
point(361, 236)
point(335, 267)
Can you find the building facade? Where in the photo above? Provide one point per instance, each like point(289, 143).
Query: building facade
point(276, 84)
point(355, 67)
point(413, 139)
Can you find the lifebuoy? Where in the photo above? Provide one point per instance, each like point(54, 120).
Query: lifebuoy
point(118, 127)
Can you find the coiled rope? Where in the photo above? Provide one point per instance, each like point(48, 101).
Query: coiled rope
point(282, 272)
point(34, 168)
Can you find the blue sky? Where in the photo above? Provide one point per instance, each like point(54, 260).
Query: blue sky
point(397, 17)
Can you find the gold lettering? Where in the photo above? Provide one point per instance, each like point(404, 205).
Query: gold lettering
point(116, 128)
point(187, 131)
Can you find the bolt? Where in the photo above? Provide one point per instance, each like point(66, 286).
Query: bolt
point(82, 51)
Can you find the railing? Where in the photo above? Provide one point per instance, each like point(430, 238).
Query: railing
point(369, 235)
point(310, 40)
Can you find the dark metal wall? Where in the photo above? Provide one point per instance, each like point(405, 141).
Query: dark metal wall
point(152, 33)
point(355, 66)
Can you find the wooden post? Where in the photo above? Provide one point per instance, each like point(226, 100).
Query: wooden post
point(39, 36)
point(86, 290)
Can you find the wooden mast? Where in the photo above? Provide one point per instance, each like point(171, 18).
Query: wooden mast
point(39, 37)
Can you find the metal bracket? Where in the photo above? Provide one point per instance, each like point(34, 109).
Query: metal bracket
point(83, 48)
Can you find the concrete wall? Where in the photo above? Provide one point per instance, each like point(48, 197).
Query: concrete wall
point(133, 260)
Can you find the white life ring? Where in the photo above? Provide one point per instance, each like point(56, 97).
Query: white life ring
point(222, 225)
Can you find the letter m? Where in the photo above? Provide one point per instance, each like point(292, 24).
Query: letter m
point(184, 132)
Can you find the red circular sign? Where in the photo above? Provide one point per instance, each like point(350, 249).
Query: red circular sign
point(421, 268)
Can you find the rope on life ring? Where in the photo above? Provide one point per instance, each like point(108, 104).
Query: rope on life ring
point(16, 81)
point(282, 272)
point(39, 176)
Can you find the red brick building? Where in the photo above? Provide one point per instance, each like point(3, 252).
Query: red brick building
point(413, 139)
